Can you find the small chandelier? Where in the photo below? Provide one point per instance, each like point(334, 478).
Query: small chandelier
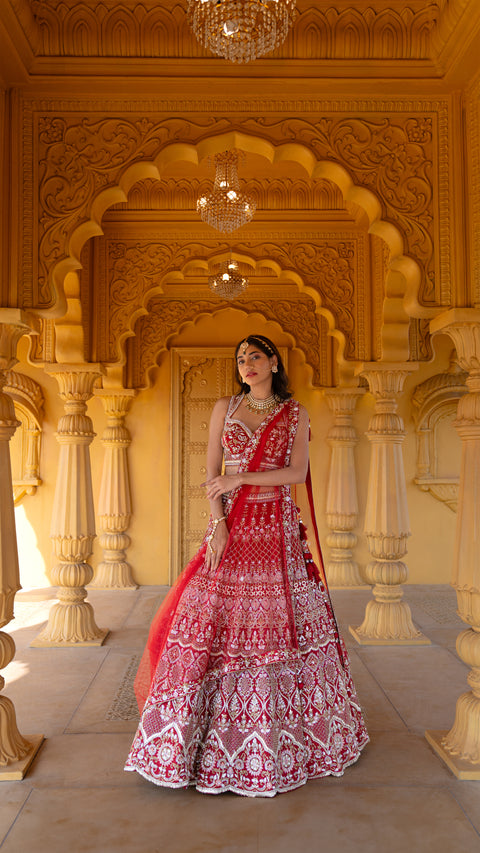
point(228, 281)
point(241, 30)
point(226, 207)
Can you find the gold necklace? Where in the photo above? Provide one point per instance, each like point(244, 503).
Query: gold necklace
point(261, 407)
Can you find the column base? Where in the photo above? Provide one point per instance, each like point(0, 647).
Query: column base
point(16, 771)
point(462, 769)
point(366, 640)
point(42, 642)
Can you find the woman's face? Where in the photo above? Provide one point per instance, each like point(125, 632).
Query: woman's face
point(254, 366)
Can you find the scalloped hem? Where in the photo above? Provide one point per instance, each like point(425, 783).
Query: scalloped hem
point(232, 790)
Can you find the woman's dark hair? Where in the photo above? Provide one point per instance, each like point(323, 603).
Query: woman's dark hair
point(279, 379)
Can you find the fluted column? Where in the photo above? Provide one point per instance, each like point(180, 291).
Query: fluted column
point(114, 505)
point(16, 752)
point(71, 620)
point(460, 747)
point(342, 504)
point(388, 619)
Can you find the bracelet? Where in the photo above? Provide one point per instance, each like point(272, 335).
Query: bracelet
point(215, 522)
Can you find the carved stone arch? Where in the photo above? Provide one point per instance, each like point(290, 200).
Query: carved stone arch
point(146, 271)
point(388, 37)
point(28, 400)
point(434, 402)
point(165, 319)
point(155, 33)
point(81, 31)
point(351, 33)
point(119, 27)
point(403, 279)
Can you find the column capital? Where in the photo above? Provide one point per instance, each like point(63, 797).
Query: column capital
point(116, 401)
point(75, 381)
point(386, 378)
point(343, 400)
point(462, 325)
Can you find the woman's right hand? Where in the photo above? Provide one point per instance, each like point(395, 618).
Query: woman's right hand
point(217, 546)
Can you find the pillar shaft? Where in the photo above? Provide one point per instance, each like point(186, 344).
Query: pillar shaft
point(114, 505)
point(387, 618)
point(342, 503)
point(460, 747)
point(16, 751)
point(71, 620)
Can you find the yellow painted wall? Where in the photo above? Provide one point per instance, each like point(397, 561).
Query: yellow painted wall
point(430, 548)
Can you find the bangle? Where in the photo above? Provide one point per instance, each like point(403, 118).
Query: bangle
point(216, 522)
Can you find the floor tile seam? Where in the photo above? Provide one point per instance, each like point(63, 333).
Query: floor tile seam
point(17, 816)
point(375, 679)
point(462, 808)
point(88, 687)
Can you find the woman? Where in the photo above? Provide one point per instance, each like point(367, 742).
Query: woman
point(245, 684)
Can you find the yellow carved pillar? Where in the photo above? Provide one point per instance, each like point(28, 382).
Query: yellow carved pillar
point(460, 747)
point(388, 619)
point(16, 751)
point(71, 620)
point(342, 504)
point(114, 505)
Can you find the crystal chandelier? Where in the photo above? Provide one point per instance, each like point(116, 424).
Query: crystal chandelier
point(228, 281)
point(241, 30)
point(226, 207)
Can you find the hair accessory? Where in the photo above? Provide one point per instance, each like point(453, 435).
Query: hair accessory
point(263, 344)
point(244, 346)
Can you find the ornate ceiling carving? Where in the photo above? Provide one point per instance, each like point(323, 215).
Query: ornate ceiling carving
point(373, 30)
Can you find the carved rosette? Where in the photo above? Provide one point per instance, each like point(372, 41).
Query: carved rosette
point(460, 747)
point(388, 619)
point(114, 505)
point(342, 504)
point(16, 752)
point(71, 619)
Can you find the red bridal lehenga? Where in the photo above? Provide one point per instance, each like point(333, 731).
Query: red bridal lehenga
point(245, 683)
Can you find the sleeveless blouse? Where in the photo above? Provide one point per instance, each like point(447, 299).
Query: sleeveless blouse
point(236, 435)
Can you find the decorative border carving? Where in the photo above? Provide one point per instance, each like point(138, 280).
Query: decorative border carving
point(392, 157)
point(74, 28)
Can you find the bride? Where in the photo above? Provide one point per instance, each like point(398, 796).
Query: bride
point(245, 685)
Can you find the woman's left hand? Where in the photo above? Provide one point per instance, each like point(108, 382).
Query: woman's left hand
point(221, 484)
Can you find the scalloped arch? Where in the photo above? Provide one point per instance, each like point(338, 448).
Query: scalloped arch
point(244, 310)
point(255, 264)
point(402, 281)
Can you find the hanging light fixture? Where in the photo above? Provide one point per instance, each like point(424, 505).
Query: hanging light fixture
point(241, 30)
point(228, 281)
point(226, 207)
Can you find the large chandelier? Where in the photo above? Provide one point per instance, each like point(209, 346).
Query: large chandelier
point(228, 281)
point(241, 30)
point(226, 207)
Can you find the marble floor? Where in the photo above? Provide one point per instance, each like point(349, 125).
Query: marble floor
point(398, 798)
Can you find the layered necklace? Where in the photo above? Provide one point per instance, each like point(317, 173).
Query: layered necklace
point(261, 407)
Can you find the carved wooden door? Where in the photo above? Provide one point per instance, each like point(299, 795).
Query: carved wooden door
point(199, 377)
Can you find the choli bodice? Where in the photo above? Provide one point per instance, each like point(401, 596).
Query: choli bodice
point(236, 437)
